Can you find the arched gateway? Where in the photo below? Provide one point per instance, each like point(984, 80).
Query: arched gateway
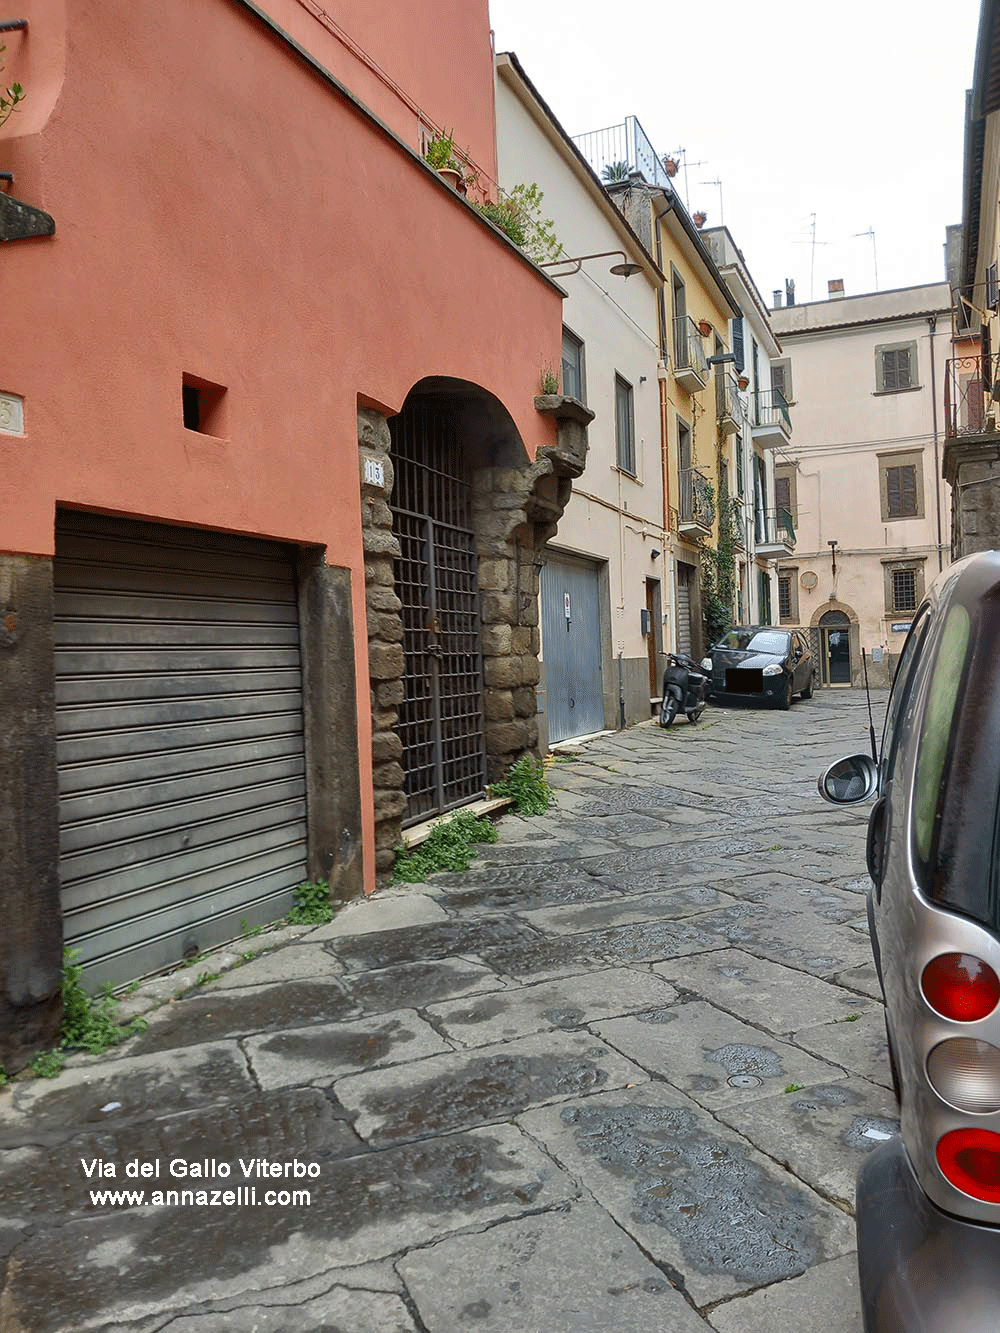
point(454, 517)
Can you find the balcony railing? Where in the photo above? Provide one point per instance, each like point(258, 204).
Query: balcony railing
point(969, 385)
point(771, 409)
point(728, 402)
point(697, 500)
point(625, 146)
point(690, 361)
point(774, 530)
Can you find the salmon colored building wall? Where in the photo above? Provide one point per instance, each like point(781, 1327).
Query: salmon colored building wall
point(222, 211)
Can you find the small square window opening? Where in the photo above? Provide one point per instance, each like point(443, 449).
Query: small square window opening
point(204, 407)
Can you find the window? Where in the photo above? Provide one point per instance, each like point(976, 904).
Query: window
point(896, 367)
point(625, 425)
point(904, 590)
point(904, 586)
point(781, 378)
point(992, 288)
point(784, 496)
point(901, 485)
point(573, 384)
point(738, 350)
point(739, 468)
point(788, 596)
point(203, 406)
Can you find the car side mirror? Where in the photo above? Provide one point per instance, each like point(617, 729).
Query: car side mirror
point(849, 781)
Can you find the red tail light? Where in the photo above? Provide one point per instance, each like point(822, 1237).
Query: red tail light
point(960, 986)
point(970, 1160)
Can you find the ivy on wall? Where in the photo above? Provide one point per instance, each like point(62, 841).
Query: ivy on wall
point(718, 567)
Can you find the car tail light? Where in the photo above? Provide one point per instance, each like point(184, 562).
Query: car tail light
point(970, 1160)
point(960, 986)
point(966, 1074)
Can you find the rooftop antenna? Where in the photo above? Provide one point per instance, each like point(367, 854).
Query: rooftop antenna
point(722, 217)
point(812, 241)
point(871, 232)
point(682, 154)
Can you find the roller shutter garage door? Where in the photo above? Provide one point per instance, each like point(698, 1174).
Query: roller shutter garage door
point(180, 745)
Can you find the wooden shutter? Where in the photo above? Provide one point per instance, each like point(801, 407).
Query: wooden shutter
point(901, 491)
point(783, 493)
point(738, 348)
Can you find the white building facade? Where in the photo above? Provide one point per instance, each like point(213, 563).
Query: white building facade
point(604, 590)
point(865, 376)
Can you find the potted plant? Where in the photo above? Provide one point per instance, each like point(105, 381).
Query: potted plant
point(743, 381)
point(704, 328)
point(670, 165)
point(440, 154)
point(699, 219)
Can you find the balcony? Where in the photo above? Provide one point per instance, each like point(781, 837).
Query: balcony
point(739, 523)
point(728, 403)
point(774, 533)
point(970, 407)
point(690, 361)
point(696, 514)
point(771, 424)
point(619, 151)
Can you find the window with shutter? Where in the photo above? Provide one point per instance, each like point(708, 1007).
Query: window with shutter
point(783, 493)
point(992, 288)
point(738, 350)
point(901, 491)
point(572, 366)
point(624, 425)
point(896, 367)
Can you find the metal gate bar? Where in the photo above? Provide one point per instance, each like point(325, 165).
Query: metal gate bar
point(441, 718)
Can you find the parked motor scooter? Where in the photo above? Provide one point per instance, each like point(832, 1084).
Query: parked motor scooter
point(685, 689)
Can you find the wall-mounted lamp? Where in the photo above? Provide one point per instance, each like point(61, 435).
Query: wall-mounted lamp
point(720, 358)
point(833, 552)
point(623, 270)
point(654, 554)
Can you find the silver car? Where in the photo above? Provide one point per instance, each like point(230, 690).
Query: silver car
point(928, 1202)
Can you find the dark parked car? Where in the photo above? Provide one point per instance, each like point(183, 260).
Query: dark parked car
point(928, 1202)
point(763, 663)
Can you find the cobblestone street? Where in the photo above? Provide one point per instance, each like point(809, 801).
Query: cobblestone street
point(618, 1075)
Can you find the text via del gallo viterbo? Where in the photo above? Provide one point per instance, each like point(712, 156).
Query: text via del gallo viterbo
point(203, 1182)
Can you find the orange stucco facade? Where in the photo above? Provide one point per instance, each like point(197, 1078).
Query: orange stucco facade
point(224, 211)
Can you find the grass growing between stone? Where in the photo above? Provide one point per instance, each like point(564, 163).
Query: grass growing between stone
point(527, 786)
point(448, 847)
point(311, 905)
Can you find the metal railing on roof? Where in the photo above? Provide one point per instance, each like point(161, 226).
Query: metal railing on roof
point(625, 147)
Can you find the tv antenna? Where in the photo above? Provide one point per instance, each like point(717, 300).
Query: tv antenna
point(682, 154)
point(722, 217)
point(871, 232)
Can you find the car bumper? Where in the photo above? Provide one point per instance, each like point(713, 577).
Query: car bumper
point(771, 690)
point(920, 1270)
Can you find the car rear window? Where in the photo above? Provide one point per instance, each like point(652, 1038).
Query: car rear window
point(938, 724)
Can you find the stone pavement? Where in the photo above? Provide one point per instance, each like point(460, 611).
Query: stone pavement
point(619, 1075)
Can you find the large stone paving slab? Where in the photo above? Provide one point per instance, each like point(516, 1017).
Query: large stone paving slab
point(126, 1091)
point(566, 1003)
point(390, 947)
point(791, 938)
point(642, 943)
point(823, 1300)
point(394, 909)
point(711, 1056)
point(292, 962)
point(125, 1267)
point(567, 1271)
point(46, 1186)
point(778, 999)
point(212, 1015)
point(324, 1053)
point(822, 1132)
point(448, 1092)
point(481, 899)
point(694, 1195)
point(413, 985)
point(669, 904)
point(859, 1047)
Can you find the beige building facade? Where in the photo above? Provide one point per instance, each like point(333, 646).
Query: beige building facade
point(863, 475)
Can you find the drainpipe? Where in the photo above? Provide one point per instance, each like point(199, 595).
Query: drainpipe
point(661, 377)
point(932, 324)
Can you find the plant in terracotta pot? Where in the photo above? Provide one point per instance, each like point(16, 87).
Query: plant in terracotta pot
point(699, 219)
point(440, 154)
point(743, 381)
point(704, 328)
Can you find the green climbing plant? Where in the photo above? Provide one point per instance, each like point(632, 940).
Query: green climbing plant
point(718, 568)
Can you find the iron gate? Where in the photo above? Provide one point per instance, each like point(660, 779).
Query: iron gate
point(441, 718)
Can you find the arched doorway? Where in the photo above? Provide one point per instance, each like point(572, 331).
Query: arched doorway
point(835, 648)
point(441, 715)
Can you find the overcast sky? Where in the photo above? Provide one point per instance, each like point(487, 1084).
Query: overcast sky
point(853, 112)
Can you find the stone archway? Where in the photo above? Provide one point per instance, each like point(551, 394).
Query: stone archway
point(836, 634)
point(516, 506)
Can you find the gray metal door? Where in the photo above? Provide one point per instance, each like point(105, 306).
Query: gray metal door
point(181, 758)
point(441, 717)
point(571, 645)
